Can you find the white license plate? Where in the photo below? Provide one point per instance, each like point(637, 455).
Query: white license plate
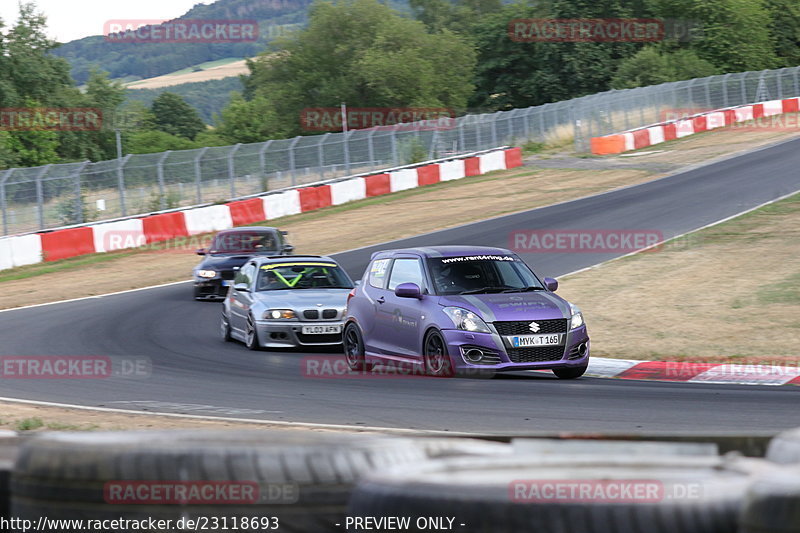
point(536, 340)
point(321, 330)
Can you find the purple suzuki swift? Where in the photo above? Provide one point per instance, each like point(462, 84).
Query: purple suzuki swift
point(459, 309)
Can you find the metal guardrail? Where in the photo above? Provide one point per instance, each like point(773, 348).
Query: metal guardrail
point(74, 193)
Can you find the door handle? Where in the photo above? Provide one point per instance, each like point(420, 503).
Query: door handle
point(381, 300)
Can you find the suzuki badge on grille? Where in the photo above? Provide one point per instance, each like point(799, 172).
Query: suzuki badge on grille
point(534, 327)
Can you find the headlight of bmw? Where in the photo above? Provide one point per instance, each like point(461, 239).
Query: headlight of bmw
point(466, 320)
point(206, 273)
point(576, 320)
point(278, 314)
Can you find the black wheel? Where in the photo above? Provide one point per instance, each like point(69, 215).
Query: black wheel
point(437, 361)
point(354, 348)
point(251, 335)
point(569, 373)
point(225, 328)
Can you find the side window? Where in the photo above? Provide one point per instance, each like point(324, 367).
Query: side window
point(377, 273)
point(246, 274)
point(405, 271)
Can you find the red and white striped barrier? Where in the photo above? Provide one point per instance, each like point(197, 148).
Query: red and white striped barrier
point(136, 231)
point(676, 129)
point(694, 372)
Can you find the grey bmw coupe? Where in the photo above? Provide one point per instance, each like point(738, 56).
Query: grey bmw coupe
point(286, 302)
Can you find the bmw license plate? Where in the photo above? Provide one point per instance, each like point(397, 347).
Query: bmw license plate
point(535, 340)
point(321, 330)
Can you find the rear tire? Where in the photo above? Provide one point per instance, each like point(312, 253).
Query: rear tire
point(251, 335)
point(569, 373)
point(354, 348)
point(436, 359)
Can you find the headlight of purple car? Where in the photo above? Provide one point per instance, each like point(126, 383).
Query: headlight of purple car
point(576, 320)
point(466, 320)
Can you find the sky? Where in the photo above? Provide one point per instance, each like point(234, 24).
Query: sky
point(73, 19)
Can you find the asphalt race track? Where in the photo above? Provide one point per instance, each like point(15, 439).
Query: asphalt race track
point(194, 372)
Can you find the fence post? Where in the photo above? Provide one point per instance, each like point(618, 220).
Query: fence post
point(121, 183)
point(371, 149)
point(725, 90)
point(778, 82)
point(462, 146)
point(198, 174)
point(395, 158)
point(321, 154)
point(478, 142)
point(78, 196)
point(3, 204)
point(231, 169)
point(346, 146)
point(40, 194)
point(292, 161)
point(796, 71)
point(162, 200)
point(494, 128)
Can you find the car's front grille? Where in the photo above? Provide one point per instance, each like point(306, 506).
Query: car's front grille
point(537, 354)
point(523, 327)
point(314, 314)
point(327, 338)
point(227, 274)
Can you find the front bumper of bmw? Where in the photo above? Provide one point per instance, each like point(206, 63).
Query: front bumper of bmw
point(289, 333)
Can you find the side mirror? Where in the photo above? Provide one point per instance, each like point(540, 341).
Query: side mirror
point(551, 284)
point(288, 248)
point(201, 251)
point(408, 290)
point(244, 287)
point(356, 283)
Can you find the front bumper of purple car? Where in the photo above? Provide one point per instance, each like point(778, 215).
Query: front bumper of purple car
point(495, 352)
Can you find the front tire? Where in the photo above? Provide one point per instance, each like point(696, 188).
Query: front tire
point(437, 361)
point(251, 335)
point(225, 328)
point(569, 373)
point(354, 348)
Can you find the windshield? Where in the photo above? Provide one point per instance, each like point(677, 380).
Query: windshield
point(304, 275)
point(481, 274)
point(252, 242)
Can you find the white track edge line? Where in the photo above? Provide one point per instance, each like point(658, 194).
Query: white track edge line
point(308, 425)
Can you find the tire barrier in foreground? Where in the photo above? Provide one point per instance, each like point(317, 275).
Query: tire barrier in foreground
point(303, 478)
point(772, 503)
point(785, 447)
point(8, 451)
point(545, 447)
point(579, 493)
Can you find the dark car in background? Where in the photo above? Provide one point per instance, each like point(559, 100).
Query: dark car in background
point(229, 250)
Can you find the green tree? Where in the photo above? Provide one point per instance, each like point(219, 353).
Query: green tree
point(519, 74)
point(735, 33)
point(651, 66)
point(397, 63)
point(173, 115)
point(152, 141)
point(785, 30)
